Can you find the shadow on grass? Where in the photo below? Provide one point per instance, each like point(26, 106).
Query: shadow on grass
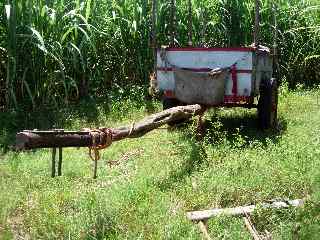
point(193, 162)
point(238, 130)
point(246, 127)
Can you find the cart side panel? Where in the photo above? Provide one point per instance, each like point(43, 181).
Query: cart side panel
point(166, 83)
point(202, 60)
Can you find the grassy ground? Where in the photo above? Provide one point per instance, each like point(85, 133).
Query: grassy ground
point(146, 185)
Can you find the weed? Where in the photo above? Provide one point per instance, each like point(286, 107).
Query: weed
point(164, 174)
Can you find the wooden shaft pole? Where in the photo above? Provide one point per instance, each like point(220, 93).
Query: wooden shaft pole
point(57, 139)
point(33, 139)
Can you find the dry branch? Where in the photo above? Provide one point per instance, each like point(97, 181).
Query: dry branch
point(240, 211)
point(254, 233)
point(204, 229)
point(50, 139)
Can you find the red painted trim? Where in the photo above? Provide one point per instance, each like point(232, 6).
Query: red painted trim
point(234, 80)
point(169, 69)
point(231, 49)
point(237, 99)
point(169, 94)
point(229, 100)
point(243, 105)
point(244, 71)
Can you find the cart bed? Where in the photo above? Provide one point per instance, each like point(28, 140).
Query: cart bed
point(238, 84)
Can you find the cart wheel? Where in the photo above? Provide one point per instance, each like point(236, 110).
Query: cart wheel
point(268, 104)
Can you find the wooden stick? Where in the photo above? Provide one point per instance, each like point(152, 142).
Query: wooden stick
point(204, 229)
point(251, 228)
point(50, 139)
point(53, 162)
point(267, 235)
point(239, 211)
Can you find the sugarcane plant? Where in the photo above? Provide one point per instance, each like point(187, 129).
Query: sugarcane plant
point(57, 52)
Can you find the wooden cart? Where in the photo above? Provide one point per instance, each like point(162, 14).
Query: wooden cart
point(218, 77)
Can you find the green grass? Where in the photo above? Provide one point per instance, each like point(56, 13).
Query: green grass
point(55, 52)
point(154, 180)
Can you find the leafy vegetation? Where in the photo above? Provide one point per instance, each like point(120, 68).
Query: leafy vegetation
point(146, 185)
point(55, 52)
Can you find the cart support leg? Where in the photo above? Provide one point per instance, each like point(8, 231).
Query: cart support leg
point(53, 163)
point(60, 162)
point(60, 159)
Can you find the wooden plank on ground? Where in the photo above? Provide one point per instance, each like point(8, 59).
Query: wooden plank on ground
point(238, 211)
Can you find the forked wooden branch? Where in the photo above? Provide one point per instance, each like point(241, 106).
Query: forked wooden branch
point(241, 211)
point(51, 139)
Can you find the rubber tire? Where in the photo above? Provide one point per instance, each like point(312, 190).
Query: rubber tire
point(268, 104)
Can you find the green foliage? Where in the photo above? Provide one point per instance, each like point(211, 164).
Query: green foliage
point(56, 52)
point(155, 179)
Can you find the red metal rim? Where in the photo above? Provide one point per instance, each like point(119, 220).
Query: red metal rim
point(169, 69)
point(198, 49)
point(228, 99)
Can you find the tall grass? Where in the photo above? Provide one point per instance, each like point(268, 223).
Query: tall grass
point(59, 51)
point(154, 180)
